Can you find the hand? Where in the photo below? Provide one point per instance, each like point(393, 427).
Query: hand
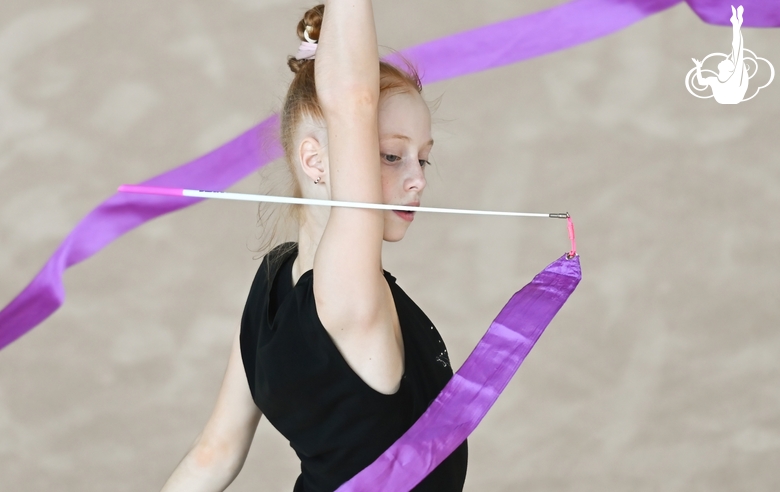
point(697, 62)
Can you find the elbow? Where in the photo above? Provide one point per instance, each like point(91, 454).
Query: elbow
point(205, 457)
point(365, 98)
point(216, 459)
point(349, 100)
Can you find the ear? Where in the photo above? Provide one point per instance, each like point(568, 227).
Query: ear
point(310, 153)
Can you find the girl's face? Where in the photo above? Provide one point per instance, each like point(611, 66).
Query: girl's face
point(404, 145)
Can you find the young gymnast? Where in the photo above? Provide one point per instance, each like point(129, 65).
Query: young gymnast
point(340, 360)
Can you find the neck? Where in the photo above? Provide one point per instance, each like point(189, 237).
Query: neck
point(310, 232)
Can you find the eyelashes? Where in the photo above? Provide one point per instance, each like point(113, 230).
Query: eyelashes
point(423, 162)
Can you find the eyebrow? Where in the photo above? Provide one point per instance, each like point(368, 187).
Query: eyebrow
point(404, 137)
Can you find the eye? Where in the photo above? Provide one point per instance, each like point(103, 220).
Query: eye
point(396, 158)
point(423, 162)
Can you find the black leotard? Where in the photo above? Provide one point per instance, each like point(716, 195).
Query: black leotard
point(335, 422)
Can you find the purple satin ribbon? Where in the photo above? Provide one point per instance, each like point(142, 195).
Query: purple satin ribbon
point(468, 396)
point(480, 49)
point(528, 36)
point(488, 47)
point(758, 13)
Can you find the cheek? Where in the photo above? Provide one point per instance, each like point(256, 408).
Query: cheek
point(389, 176)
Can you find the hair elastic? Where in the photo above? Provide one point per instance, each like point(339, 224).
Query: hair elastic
point(308, 48)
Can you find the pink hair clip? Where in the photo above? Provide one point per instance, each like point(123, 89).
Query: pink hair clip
point(308, 48)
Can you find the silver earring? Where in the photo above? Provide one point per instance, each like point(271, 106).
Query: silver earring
point(317, 182)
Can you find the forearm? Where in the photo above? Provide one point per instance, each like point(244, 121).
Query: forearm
point(347, 64)
point(347, 78)
point(201, 470)
point(353, 150)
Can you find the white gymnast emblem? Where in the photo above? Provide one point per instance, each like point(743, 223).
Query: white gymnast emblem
point(734, 72)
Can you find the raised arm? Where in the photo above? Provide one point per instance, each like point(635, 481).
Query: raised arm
point(348, 283)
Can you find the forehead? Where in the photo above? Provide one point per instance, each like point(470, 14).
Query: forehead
point(404, 113)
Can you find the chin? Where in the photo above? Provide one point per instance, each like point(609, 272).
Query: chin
point(394, 236)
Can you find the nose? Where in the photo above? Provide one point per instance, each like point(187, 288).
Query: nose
point(415, 180)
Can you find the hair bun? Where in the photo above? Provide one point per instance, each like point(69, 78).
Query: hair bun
point(312, 19)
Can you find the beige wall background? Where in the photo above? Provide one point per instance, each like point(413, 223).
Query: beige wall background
point(660, 373)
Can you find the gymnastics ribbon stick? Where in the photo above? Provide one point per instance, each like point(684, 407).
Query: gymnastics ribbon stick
point(246, 197)
point(529, 35)
point(475, 387)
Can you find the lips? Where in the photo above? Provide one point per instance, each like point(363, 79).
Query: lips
point(407, 216)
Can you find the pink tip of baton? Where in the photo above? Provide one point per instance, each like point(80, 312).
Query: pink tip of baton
point(151, 190)
point(573, 251)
